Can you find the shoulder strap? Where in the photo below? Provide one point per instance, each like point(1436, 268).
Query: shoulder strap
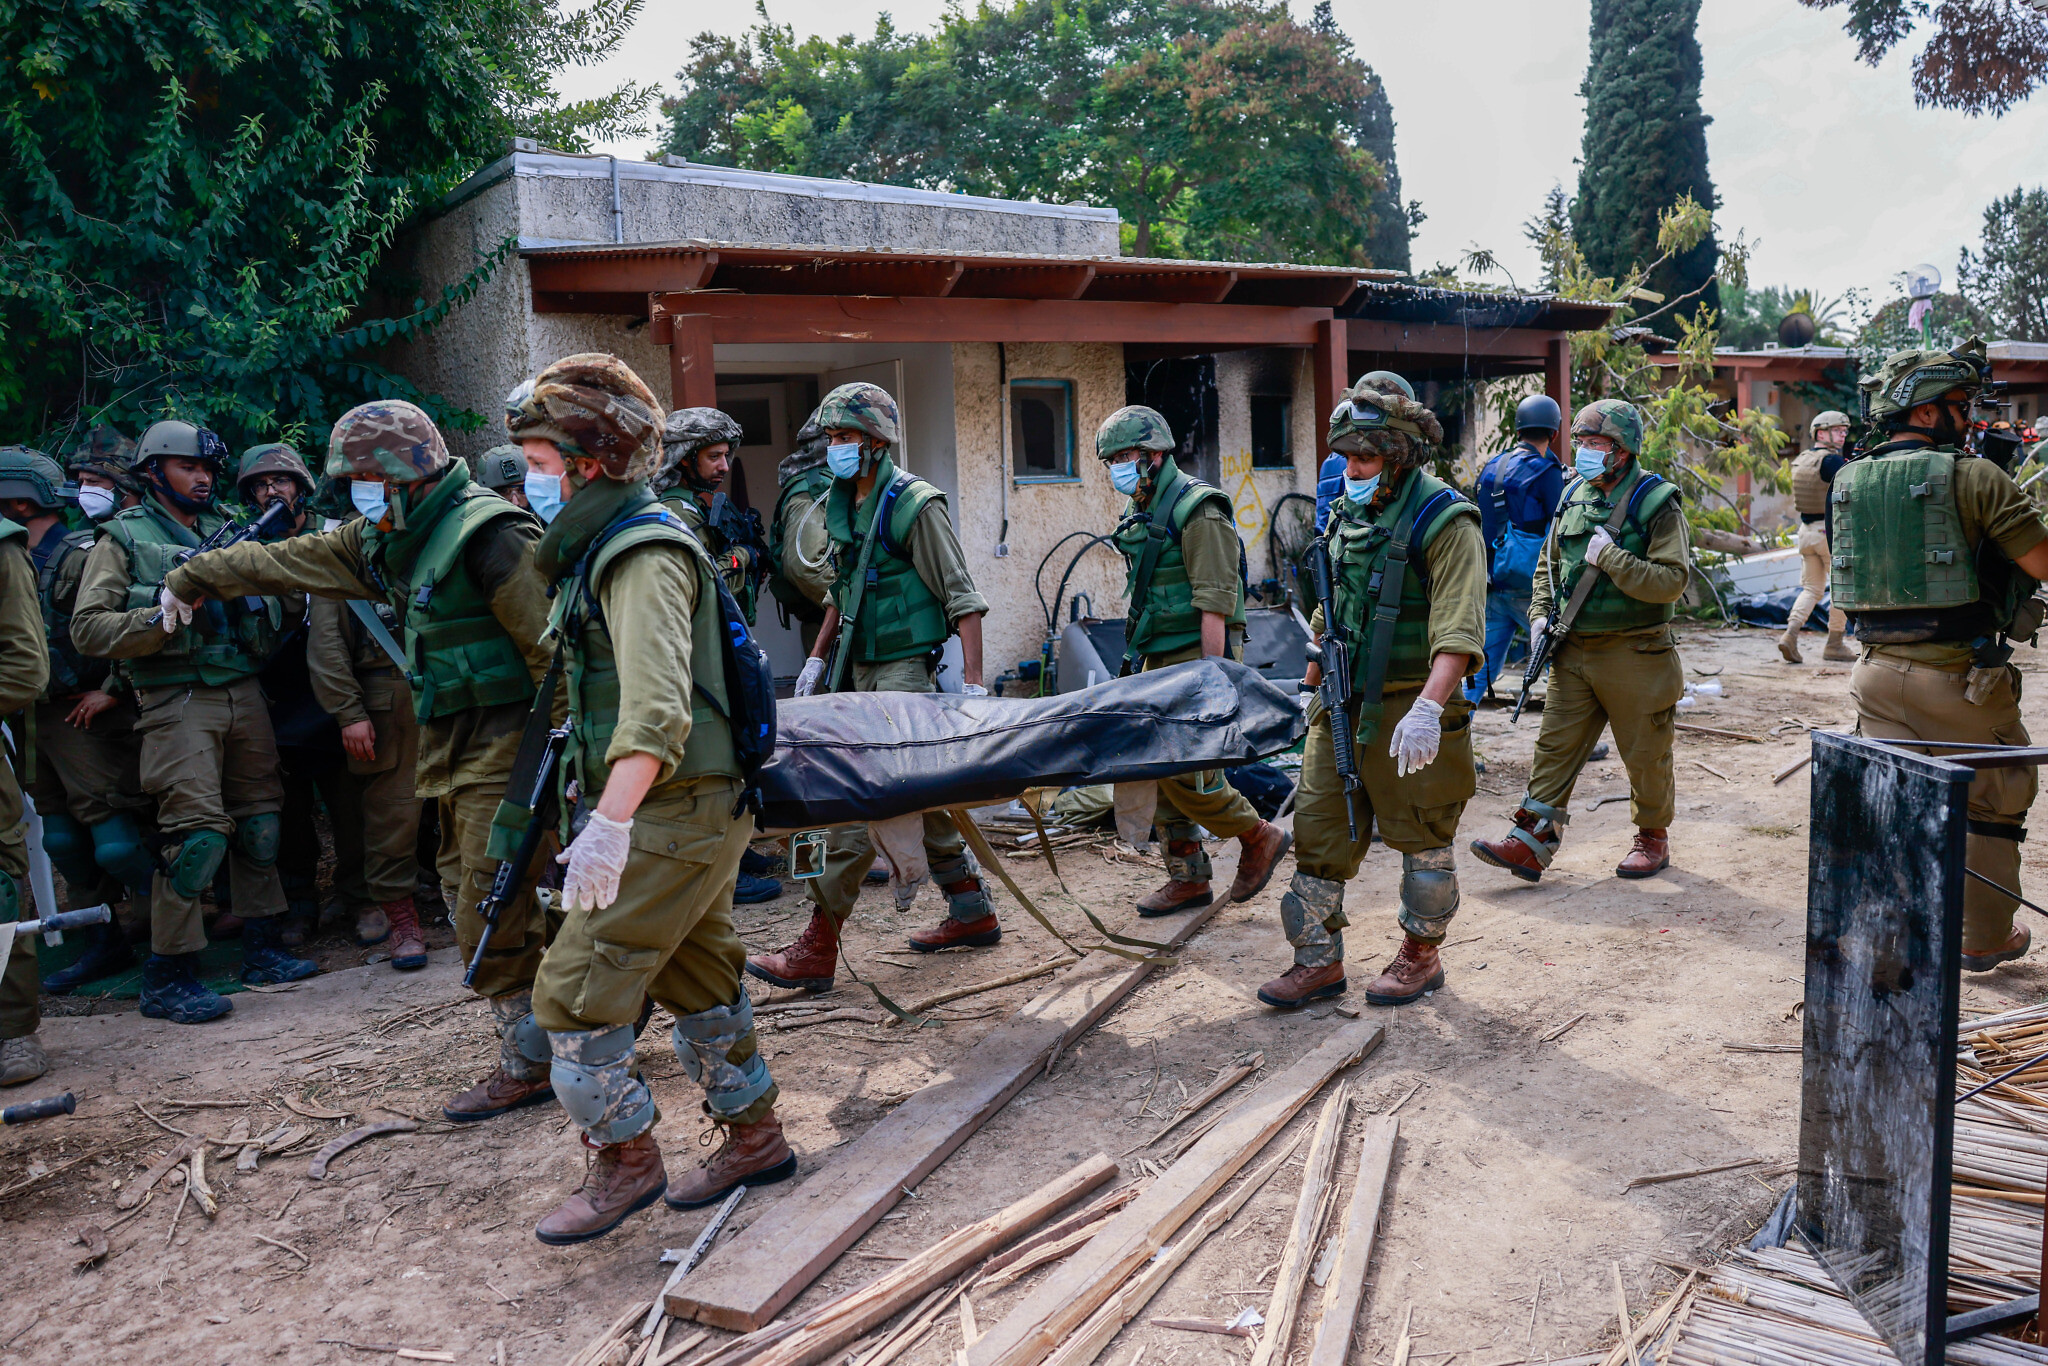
point(906, 498)
point(437, 556)
point(1384, 591)
point(1589, 573)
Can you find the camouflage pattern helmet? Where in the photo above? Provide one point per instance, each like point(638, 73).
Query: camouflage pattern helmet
point(864, 408)
point(29, 474)
point(1908, 378)
point(808, 455)
point(1830, 418)
point(1619, 421)
point(106, 453)
point(501, 467)
point(386, 439)
point(273, 458)
point(1386, 382)
point(1373, 421)
point(187, 440)
point(594, 407)
point(688, 431)
point(1136, 428)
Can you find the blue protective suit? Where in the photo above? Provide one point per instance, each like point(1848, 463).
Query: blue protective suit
point(1518, 493)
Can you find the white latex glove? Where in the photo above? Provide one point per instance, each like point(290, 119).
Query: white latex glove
point(973, 690)
point(175, 613)
point(1599, 545)
point(807, 681)
point(1536, 627)
point(595, 858)
point(1417, 736)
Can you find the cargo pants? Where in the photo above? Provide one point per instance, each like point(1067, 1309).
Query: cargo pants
point(382, 809)
point(95, 774)
point(1631, 684)
point(20, 984)
point(465, 864)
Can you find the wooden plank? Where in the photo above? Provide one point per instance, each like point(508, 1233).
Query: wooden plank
point(1063, 1300)
point(1345, 1293)
point(780, 318)
point(1309, 1208)
point(747, 1280)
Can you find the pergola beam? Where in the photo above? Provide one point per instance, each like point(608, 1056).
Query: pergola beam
point(770, 318)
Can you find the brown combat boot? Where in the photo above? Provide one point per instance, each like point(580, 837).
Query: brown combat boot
point(1299, 985)
point(1417, 970)
point(808, 964)
point(1788, 647)
point(22, 1060)
point(372, 926)
point(408, 945)
point(1837, 650)
point(1648, 856)
point(498, 1094)
point(1260, 849)
point(1177, 895)
point(621, 1178)
point(953, 933)
point(1511, 853)
point(2014, 947)
point(756, 1154)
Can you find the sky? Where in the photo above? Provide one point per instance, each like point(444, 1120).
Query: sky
point(1823, 163)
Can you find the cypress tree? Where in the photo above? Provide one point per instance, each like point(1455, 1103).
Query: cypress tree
point(1645, 143)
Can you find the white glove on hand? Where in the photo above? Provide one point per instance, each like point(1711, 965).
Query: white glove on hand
point(595, 858)
point(1599, 545)
point(175, 613)
point(1417, 736)
point(807, 681)
point(973, 690)
point(1536, 627)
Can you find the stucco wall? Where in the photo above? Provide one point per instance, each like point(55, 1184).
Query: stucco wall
point(1257, 492)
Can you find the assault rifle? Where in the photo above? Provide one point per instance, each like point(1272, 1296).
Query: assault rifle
point(1560, 624)
point(230, 533)
point(1539, 660)
point(531, 790)
point(1333, 656)
point(740, 529)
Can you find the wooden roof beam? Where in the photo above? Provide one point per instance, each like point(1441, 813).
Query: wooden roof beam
point(1024, 282)
point(762, 318)
point(636, 274)
point(915, 279)
point(1162, 286)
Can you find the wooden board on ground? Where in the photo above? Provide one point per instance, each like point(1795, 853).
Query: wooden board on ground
point(745, 1282)
point(1346, 1289)
point(1063, 1300)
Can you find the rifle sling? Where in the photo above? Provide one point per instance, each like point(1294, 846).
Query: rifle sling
point(1589, 576)
point(1385, 592)
point(533, 740)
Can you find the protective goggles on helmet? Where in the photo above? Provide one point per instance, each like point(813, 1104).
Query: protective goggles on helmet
point(1365, 415)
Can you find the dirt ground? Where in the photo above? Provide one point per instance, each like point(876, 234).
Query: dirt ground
point(1505, 1214)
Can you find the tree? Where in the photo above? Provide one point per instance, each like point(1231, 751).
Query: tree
point(196, 194)
point(2009, 282)
point(1984, 56)
point(1551, 224)
point(1645, 144)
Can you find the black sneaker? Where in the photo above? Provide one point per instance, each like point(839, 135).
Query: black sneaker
point(751, 891)
point(754, 863)
point(107, 952)
point(172, 991)
point(264, 961)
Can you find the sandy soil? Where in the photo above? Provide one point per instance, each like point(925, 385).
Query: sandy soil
point(1507, 1187)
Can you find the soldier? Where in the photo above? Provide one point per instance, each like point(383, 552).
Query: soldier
point(24, 670)
point(1518, 492)
point(474, 643)
point(502, 470)
point(1936, 557)
point(1330, 478)
point(799, 551)
point(1813, 472)
point(1398, 535)
point(208, 755)
point(1186, 590)
point(99, 465)
point(1617, 663)
point(651, 782)
point(901, 577)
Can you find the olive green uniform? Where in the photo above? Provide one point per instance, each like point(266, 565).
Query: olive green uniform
point(376, 834)
point(1619, 667)
point(208, 754)
point(735, 566)
point(24, 670)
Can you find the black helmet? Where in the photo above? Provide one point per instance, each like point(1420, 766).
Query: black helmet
point(1538, 412)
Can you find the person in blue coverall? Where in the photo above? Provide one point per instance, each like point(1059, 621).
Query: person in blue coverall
point(1517, 493)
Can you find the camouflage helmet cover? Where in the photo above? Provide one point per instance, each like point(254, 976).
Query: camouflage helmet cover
point(592, 405)
point(501, 467)
point(808, 455)
point(1616, 419)
point(29, 474)
point(1907, 378)
point(105, 452)
point(273, 458)
point(386, 439)
point(1386, 382)
point(861, 407)
point(1135, 428)
point(1373, 421)
point(1831, 418)
point(688, 431)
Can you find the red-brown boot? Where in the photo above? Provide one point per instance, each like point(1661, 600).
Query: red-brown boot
point(1261, 850)
point(1650, 855)
point(1299, 985)
point(621, 1178)
point(755, 1153)
point(498, 1094)
point(408, 945)
point(1183, 891)
point(954, 933)
point(808, 964)
point(1513, 850)
point(1416, 971)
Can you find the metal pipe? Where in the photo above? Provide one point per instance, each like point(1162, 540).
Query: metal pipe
point(618, 207)
point(1003, 450)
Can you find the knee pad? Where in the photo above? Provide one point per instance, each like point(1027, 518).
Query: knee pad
point(1311, 910)
point(523, 1050)
point(119, 848)
point(197, 860)
point(594, 1080)
point(69, 847)
point(257, 838)
point(703, 1044)
point(1429, 893)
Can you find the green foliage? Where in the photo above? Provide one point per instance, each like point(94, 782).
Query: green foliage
point(2009, 282)
point(1750, 317)
point(1951, 320)
point(1645, 143)
point(196, 195)
point(1984, 56)
point(1216, 128)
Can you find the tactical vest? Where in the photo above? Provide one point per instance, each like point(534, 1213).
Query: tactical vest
point(900, 616)
point(593, 673)
point(696, 519)
point(804, 491)
point(1809, 490)
point(462, 657)
point(225, 641)
point(70, 671)
point(1359, 549)
point(1582, 512)
point(1163, 615)
point(1901, 566)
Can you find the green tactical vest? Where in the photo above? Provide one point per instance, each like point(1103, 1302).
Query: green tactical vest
point(70, 671)
point(1359, 547)
point(1901, 564)
point(593, 673)
point(900, 617)
point(696, 520)
point(1584, 510)
point(225, 642)
point(1163, 616)
point(462, 658)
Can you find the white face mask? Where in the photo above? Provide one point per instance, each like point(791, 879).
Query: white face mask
point(97, 503)
point(370, 499)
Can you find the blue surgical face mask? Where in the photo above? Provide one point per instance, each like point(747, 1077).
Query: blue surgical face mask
point(1124, 478)
point(1589, 462)
point(843, 461)
point(544, 495)
point(1360, 491)
point(370, 498)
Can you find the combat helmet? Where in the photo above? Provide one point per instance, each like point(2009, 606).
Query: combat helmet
point(1538, 413)
point(28, 474)
point(1616, 419)
point(1909, 378)
point(1370, 420)
point(864, 408)
point(501, 467)
point(1831, 418)
point(275, 457)
point(1386, 382)
point(106, 453)
point(188, 440)
point(1135, 428)
point(688, 431)
point(594, 407)
point(386, 439)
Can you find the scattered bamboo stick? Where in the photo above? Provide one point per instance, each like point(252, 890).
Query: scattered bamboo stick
point(1762, 1047)
point(1621, 1310)
point(1561, 1030)
point(286, 1246)
point(1701, 763)
point(1653, 1323)
point(853, 1013)
point(1788, 770)
point(1404, 1344)
point(1724, 734)
point(1226, 1079)
point(1222, 1326)
point(1009, 979)
point(1659, 1178)
point(1301, 1239)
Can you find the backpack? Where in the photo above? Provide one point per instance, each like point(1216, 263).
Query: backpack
point(750, 695)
